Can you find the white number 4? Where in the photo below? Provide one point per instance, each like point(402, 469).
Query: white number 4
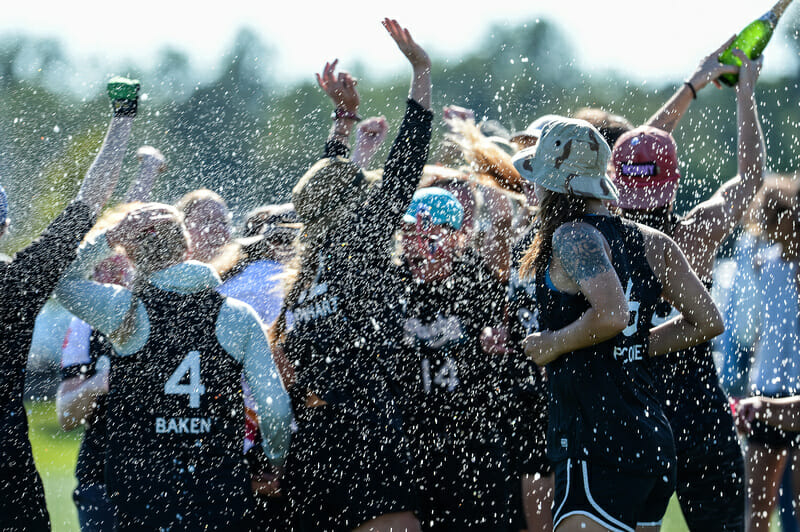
point(190, 365)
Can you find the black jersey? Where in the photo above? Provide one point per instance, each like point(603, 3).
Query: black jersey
point(688, 384)
point(449, 385)
point(92, 454)
point(340, 339)
point(603, 402)
point(176, 418)
point(523, 321)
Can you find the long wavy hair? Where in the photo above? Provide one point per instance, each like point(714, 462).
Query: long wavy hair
point(555, 209)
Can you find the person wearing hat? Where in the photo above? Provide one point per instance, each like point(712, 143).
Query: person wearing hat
point(528, 137)
point(26, 282)
point(711, 486)
point(450, 398)
point(348, 466)
point(597, 280)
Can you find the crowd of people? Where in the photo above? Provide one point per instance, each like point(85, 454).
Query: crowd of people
point(513, 335)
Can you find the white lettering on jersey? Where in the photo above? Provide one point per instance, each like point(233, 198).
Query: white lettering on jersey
point(633, 306)
point(632, 353)
point(436, 334)
point(183, 425)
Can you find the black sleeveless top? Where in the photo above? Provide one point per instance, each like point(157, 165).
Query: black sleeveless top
point(689, 388)
point(176, 414)
point(92, 454)
point(450, 386)
point(603, 403)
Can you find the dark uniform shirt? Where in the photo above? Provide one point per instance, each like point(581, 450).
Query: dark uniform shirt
point(339, 338)
point(25, 285)
point(92, 454)
point(450, 386)
point(603, 402)
point(688, 385)
point(176, 420)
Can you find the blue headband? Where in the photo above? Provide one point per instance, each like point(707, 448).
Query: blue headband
point(437, 205)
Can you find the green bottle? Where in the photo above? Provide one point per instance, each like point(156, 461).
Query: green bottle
point(752, 40)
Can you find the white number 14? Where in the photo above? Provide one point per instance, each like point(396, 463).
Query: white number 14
point(190, 365)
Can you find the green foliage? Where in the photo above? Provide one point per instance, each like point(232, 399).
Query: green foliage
point(250, 139)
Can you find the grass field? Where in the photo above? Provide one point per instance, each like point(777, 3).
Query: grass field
point(56, 451)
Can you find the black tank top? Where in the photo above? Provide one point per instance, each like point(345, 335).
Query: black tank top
point(450, 386)
point(688, 385)
point(176, 414)
point(603, 403)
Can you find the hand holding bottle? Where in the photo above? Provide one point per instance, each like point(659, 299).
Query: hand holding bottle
point(748, 72)
point(710, 68)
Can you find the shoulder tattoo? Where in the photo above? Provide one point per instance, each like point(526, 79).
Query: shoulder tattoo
point(581, 250)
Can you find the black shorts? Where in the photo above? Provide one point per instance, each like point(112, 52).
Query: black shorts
point(343, 470)
point(617, 500)
point(773, 436)
point(462, 486)
point(710, 487)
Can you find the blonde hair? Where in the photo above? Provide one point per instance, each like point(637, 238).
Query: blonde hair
point(489, 162)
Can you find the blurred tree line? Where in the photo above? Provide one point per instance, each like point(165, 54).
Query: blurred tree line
point(251, 139)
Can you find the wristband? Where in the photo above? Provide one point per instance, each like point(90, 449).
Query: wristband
point(691, 88)
point(340, 113)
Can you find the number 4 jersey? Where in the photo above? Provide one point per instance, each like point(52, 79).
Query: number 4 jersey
point(176, 416)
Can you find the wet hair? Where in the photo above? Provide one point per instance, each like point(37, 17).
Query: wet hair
point(300, 275)
point(193, 199)
point(610, 126)
point(157, 249)
point(555, 209)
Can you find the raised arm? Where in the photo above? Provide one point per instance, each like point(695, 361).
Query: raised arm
point(700, 320)
point(151, 163)
point(420, 62)
point(708, 71)
point(710, 222)
point(41, 264)
point(102, 177)
point(341, 89)
point(582, 263)
point(380, 216)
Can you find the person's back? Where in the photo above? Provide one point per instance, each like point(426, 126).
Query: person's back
point(175, 407)
point(606, 387)
point(172, 433)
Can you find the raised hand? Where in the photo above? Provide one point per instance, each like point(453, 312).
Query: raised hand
point(370, 134)
point(748, 72)
point(710, 69)
point(420, 62)
point(456, 111)
point(340, 88)
point(415, 54)
point(152, 157)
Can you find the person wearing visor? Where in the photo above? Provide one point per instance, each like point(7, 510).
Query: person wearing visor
point(449, 383)
point(711, 473)
point(598, 279)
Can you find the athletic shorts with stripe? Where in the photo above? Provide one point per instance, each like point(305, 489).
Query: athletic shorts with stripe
point(617, 500)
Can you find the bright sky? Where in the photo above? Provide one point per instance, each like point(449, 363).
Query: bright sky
point(657, 39)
